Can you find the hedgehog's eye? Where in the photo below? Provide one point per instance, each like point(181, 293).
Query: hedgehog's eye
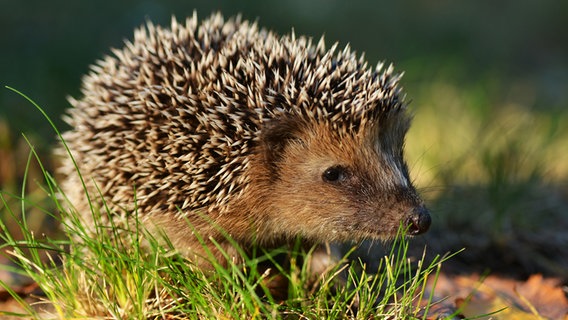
point(333, 174)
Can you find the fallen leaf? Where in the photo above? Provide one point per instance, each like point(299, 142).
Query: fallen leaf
point(495, 297)
point(544, 295)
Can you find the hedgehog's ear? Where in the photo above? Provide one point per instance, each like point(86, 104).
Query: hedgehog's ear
point(275, 136)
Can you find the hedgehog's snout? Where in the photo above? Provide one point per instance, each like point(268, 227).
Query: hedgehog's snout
point(419, 221)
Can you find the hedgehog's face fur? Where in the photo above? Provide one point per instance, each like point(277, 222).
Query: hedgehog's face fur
point(328, 186)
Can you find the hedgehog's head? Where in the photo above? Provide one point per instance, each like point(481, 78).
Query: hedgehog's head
point(339, 173)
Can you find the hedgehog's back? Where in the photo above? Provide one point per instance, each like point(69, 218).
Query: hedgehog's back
point(171, 123)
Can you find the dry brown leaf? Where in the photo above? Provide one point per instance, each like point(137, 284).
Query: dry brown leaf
point(545, 295)
point(537, 298)
point(494, 308)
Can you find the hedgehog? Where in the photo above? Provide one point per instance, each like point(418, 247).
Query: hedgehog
point(220, 133)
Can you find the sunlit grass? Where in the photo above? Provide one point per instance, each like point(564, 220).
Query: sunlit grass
point(452, 141)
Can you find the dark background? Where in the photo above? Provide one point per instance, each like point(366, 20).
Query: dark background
point(48, 45)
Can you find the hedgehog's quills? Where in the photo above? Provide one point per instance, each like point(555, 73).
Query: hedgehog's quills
point(266, 137)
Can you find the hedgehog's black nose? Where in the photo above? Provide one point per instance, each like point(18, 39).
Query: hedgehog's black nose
point(419, 221)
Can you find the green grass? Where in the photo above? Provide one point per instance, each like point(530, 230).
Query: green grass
point(117, 278)
point(113, 273)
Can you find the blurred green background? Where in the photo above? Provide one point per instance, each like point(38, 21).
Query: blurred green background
point(487, 80)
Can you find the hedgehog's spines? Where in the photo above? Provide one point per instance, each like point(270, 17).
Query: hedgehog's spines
point(203, 93)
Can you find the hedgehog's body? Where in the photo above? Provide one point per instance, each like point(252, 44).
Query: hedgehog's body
point(224, 125)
